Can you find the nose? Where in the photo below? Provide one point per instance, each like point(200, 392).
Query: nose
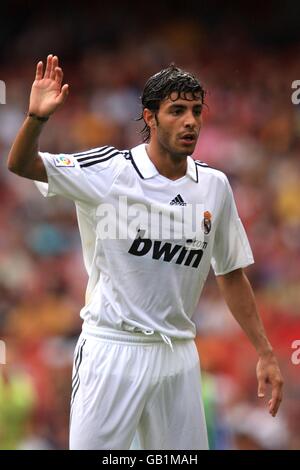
point(190, 121)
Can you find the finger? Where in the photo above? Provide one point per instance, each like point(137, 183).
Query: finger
point(63, 94)
point(59, 75)
point(53, 67)
point(276, 399)
point(274, 406)
point(261, 388)
point(48, 66)
point(39, 71)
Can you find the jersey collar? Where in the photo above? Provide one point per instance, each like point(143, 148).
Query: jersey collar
point(147, 169)
point(142, 162)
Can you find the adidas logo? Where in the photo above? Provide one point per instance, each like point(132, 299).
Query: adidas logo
point(178, 201)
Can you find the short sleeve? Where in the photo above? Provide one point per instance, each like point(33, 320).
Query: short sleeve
point(86, 177)
point(231, 246)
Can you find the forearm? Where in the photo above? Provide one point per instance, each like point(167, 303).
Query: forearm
point(239, 297)
point(23, 155)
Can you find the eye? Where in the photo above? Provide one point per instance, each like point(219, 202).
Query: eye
point(198, 111)
point(176, 112)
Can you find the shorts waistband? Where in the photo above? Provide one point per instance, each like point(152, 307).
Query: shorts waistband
point(146, 336)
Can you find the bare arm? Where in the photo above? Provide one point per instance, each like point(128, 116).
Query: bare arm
point(46, 96)
point(239, 297)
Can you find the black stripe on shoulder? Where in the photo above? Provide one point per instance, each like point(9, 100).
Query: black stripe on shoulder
point(89, 152)
point(99, 154)
point(202, 164)
point(130, 157)
point(198, 162)
point(100, 160)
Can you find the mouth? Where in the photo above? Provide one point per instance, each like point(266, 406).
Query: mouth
point(188, 139)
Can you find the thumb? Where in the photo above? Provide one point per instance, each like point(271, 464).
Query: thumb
point(261, 388)
point(63, 94)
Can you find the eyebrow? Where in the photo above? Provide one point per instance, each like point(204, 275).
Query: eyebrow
point(180, 106)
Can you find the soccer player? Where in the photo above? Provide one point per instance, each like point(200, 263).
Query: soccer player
point(136, 368)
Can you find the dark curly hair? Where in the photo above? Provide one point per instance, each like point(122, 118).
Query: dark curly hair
point(162, 84)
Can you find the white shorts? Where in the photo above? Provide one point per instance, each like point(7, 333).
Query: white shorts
point(128, 385)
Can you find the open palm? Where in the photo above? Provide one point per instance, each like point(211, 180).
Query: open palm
point(47, 93)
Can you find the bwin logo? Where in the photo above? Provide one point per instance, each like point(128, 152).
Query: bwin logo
point(165, 251)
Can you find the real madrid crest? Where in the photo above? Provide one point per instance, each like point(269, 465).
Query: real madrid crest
point(206, 223)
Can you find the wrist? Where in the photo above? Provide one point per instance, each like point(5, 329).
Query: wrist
point(266, 353)
point(37, 117)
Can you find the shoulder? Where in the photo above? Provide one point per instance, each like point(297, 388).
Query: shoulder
point(100, 158)
point(205, 170)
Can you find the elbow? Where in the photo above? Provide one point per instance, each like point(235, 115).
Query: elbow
point(10, 163)
point(16, 171)
point(13, 168)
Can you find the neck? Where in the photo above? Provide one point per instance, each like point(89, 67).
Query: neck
point(168, 165)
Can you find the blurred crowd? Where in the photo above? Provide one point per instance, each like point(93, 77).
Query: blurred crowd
point(251, 131)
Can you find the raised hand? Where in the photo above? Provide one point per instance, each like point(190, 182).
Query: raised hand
point(47, 92)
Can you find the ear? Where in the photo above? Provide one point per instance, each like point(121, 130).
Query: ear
point(149, 118)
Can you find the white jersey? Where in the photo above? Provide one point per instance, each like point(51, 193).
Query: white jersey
point(139, 283)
